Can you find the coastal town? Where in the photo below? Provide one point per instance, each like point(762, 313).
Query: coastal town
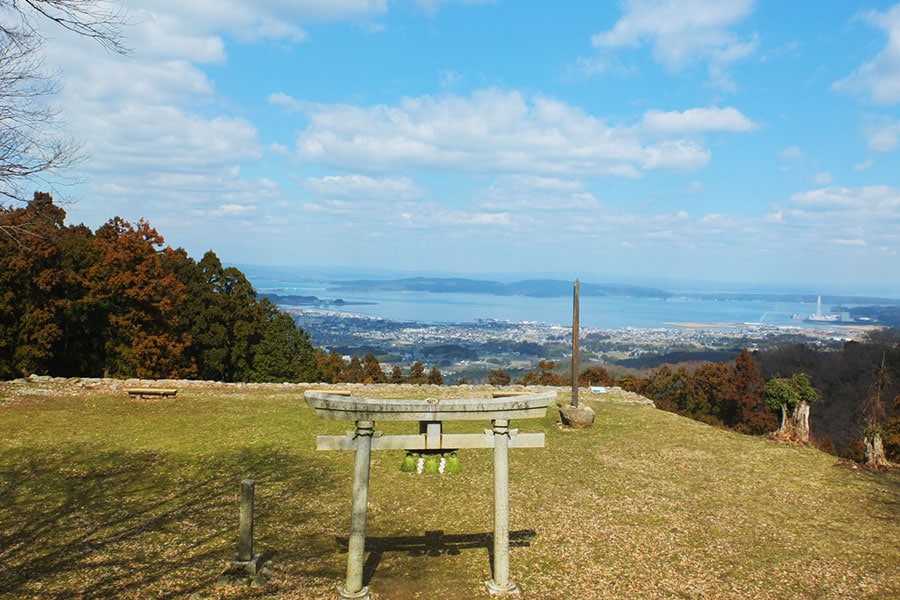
point(485, 344)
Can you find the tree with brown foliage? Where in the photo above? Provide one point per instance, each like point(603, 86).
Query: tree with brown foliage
point(142, 301)
point(670, 390)
point(353, 371)
point(499, 377)
point(596, 375)
point(749, 413)
point(545, 375)
point(330, 365)
point(417, 373)
point(711, 384)
point(119, 302)
point(31, 281)
point(372, 369)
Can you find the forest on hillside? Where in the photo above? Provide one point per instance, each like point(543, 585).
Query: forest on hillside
point(857, 386)
point(118, 302)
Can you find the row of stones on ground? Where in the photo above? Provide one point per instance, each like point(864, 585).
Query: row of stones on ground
point(112, 384)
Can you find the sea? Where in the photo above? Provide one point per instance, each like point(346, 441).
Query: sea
point(606, 312)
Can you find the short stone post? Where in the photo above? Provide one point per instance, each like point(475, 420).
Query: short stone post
point(247, 567)
point(245, 545)
point(501, 585)
point(353, 588)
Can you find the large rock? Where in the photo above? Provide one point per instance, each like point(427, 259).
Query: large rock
point(579, 417)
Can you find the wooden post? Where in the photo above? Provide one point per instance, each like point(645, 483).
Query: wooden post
point(575, 336)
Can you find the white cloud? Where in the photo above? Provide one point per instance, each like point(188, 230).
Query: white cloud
point(531, 194)
point(841, 217)
point(678, 155)
point(697, 120)
point(879, 79)
point(792, 153)
point(165, 36)
point(431, 6)
point(863, 166)
point(716, 223)
point(822, 178)
point(498, 131)
point(156, 111)
point(435, 218)
point(882, 134)
point(880, 200)
point(684, 31)
point(234, 209)
point(449, 78)
point(848, 242)
point(363, 187)
point(137, 140)
point(162, 143)
point(266, 19)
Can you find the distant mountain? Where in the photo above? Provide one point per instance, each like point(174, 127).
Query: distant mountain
point(534, 288)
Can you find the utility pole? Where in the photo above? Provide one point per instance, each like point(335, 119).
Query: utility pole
point(575, 331)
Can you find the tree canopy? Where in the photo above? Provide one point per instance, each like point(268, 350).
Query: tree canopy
point(119, 302)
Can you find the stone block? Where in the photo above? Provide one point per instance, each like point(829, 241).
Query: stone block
point(580, 417)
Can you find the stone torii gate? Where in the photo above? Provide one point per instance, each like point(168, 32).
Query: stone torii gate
point(430, 414)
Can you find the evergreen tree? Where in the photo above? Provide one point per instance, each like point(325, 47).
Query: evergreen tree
point(372, 369)
point(354, 372)
point(435, 377)
point(750, 413)
point(285, 352)
point(417, 373)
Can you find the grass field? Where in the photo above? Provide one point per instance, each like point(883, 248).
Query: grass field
point(105, 496)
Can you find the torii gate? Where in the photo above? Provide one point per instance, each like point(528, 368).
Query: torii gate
point(430, 414)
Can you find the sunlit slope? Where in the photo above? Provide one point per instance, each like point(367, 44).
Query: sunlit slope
point(107, 496)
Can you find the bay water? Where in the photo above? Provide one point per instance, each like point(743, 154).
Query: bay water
point(606, 312)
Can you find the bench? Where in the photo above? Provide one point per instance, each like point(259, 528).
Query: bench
point(152, 392)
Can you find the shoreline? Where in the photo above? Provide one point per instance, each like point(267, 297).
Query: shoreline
point(831, 327)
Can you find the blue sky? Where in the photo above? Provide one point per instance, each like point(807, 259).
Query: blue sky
point(636, 140)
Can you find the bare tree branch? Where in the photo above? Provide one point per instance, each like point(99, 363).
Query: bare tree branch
point(99, 20)
point(31, 149)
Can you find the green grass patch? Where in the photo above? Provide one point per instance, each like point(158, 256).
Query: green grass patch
point(110, 497)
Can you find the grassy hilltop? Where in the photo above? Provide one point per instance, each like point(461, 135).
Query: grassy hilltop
point(110, 497)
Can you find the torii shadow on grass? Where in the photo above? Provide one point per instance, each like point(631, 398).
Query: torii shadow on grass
point(432, 543)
